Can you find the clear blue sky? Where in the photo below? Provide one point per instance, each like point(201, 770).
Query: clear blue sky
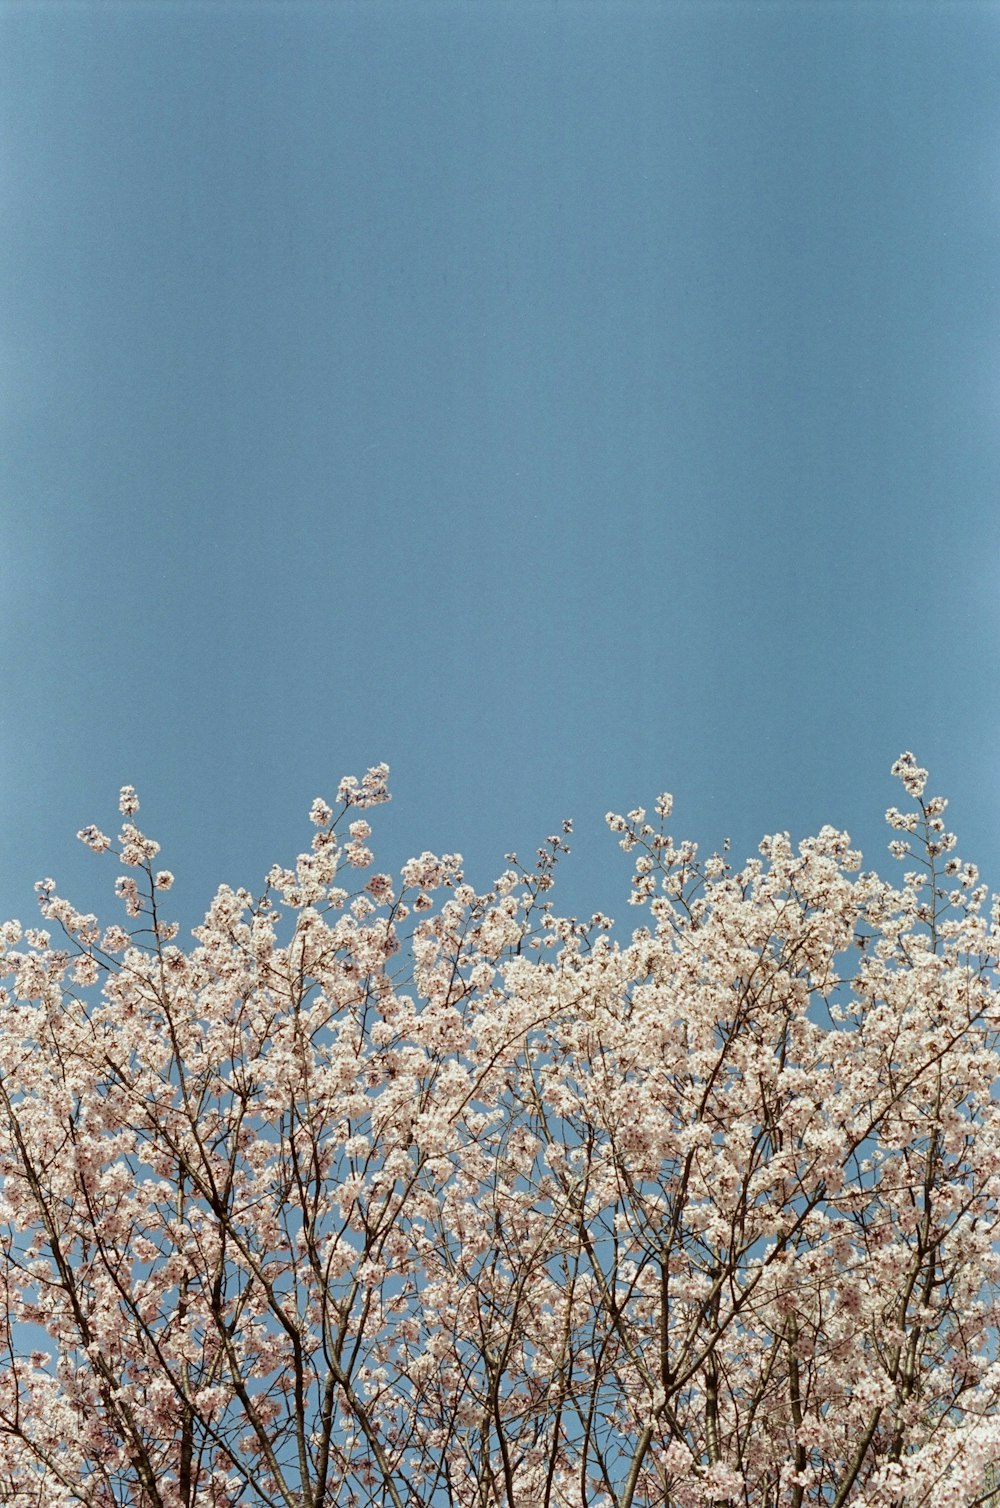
point(561, 401)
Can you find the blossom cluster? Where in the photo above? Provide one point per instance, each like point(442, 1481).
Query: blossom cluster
point(390, 1191)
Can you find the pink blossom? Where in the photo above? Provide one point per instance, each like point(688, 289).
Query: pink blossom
point(465, 1202)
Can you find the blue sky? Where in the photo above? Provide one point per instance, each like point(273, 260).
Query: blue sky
point(561, 401)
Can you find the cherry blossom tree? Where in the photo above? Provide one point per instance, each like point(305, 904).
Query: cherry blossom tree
point(389, 1192)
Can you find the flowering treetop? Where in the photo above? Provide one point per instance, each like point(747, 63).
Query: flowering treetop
point(387, 1191)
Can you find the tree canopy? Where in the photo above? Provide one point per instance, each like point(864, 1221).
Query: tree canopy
point(389, 1192)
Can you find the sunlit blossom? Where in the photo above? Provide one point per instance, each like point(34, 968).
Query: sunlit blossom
point(397, 1193)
